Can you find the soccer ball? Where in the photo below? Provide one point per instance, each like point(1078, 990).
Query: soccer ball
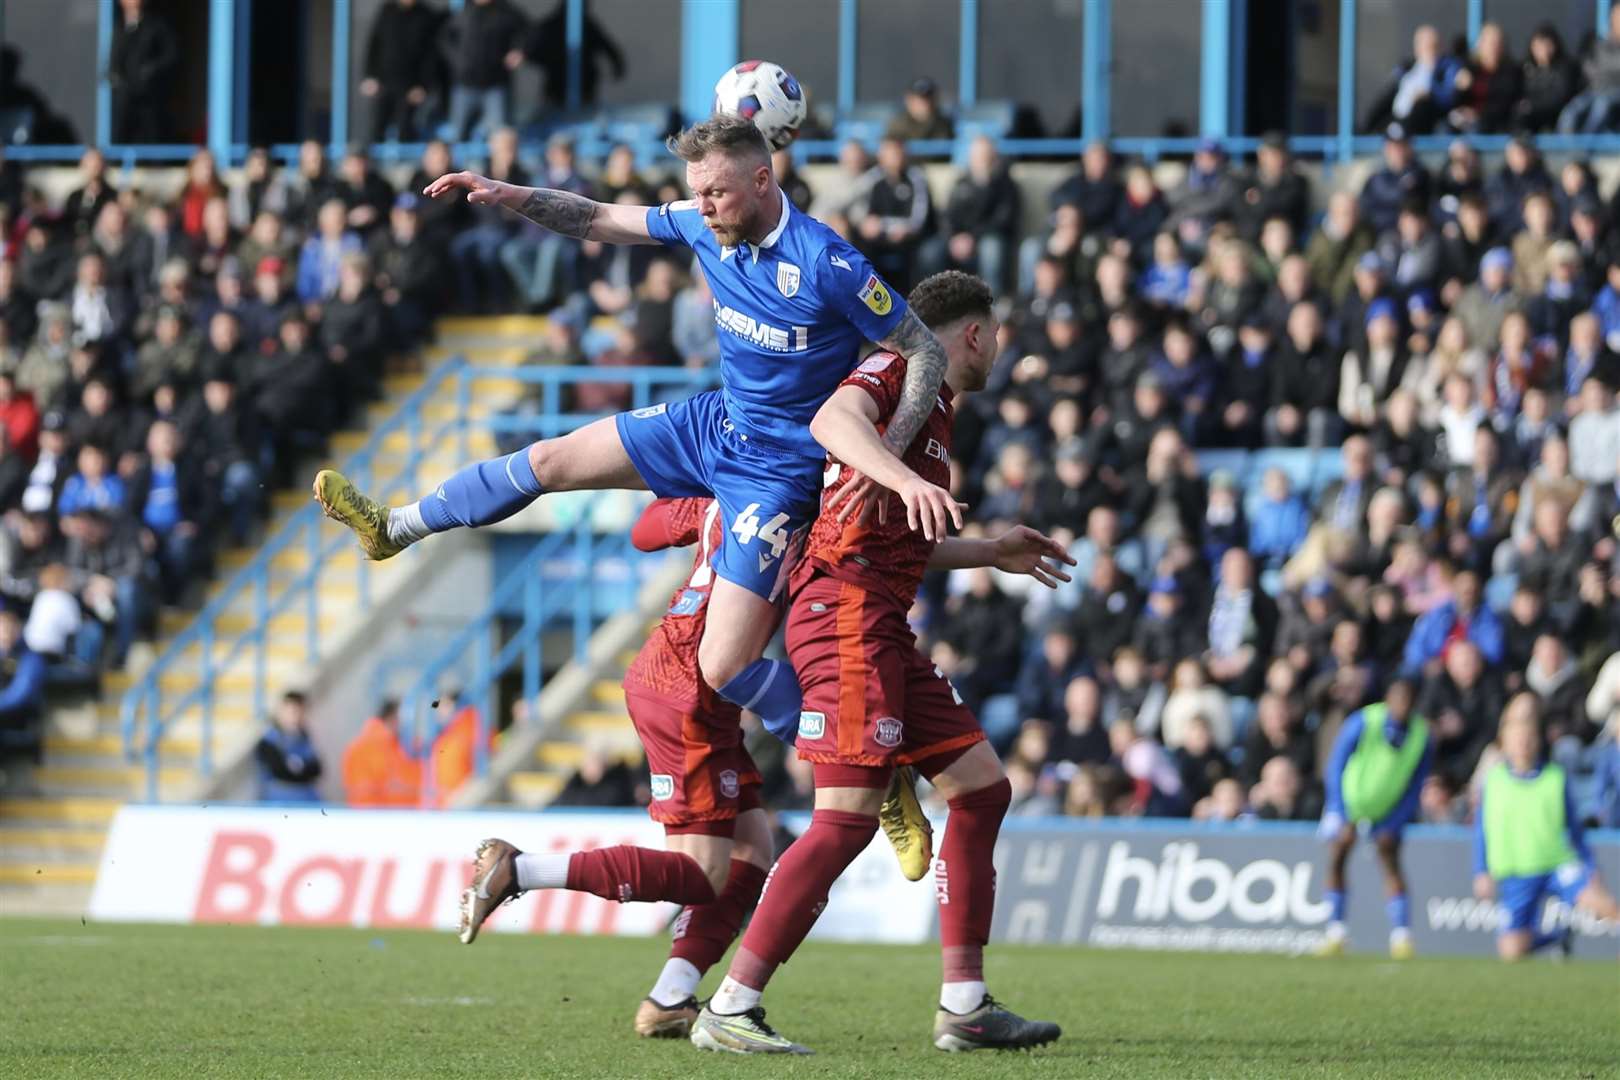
point(765, 93)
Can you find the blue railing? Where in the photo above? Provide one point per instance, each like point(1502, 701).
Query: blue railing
point(711, 32)
point(1329, 149)
point(147, 712)
point(568, 598)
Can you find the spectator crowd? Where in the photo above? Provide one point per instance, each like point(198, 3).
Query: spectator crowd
point(165, 360)
point(1302, 435)
point(1484, 89)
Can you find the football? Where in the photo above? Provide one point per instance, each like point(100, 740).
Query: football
point(765, 93)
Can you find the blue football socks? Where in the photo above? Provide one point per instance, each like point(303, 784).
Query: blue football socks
point(482, 494)
point(1336, 901)
point(771, 689)
point(1400, 915)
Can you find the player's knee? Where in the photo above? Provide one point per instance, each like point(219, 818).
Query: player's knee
point(1514, 946)
point(548, 464)
point(863, 801)
point(717, 871)
point(752, 840)
point(976, 772)
point(719, 661)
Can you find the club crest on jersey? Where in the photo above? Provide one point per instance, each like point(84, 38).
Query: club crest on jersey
point(812, 725)
point(787, 279)
point(663, 786)
point(728, 783)
point(875, 296)
point(888, 732)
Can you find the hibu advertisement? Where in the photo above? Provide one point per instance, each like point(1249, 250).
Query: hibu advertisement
point(1254, 889)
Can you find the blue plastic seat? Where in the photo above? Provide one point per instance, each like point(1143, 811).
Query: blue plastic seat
point(1298, 464)
point(1237, 462)
point(866, 122)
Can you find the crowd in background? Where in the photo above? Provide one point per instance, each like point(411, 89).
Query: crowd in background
point(1299, 440)
point(1484, 89)
point(164, 363)
point(1296, 452)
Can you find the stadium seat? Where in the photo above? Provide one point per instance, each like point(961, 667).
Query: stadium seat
point(992, 118)
point(1298, 464)
point(1499, 590)
point(865, 122)
point(1236, 462)
point(1328, 468)
point(636, 124)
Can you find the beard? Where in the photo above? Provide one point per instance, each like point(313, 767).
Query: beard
point(733, 233)
point(728, 235)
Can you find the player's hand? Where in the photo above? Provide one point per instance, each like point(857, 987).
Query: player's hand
point(854, 500)
point(1331, 825)
point(861, 498)
point(1022, 550)
point(929, 507)
point(481, 190)
point(1484, 887)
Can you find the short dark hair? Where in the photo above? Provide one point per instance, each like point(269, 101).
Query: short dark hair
point(948, 296)
point(735, 137)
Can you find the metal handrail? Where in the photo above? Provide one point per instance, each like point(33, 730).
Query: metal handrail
point(146, 698)
point(582, 547)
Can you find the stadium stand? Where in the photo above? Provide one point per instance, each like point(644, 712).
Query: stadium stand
point(1389, 385)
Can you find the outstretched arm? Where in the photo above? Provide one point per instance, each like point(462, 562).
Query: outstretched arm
point(846, 425)
point(925, 371)
point(1019, 550)
point(562, 212)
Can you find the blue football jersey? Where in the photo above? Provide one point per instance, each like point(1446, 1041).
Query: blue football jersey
point(791, 312)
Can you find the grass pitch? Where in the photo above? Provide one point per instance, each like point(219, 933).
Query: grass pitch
point(113, 1000)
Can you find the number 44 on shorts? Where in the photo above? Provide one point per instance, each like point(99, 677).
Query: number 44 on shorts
point(747, 526)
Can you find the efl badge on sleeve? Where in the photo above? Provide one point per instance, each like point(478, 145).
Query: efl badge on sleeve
point(875, 296)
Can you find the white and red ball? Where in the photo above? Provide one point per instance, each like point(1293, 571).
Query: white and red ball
point(765, 93)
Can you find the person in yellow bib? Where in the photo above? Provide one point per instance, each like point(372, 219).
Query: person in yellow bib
point(1373, 779)
point(1528, 843)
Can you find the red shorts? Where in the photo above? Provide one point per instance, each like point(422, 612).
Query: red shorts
point(700, 769)
point(870, 698)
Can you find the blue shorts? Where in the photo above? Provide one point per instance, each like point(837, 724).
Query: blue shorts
point(1391, 825)
point(768, 494)
point(1521, 896)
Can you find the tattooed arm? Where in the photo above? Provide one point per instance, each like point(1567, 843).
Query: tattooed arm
point(562, 212)
point(925, 371)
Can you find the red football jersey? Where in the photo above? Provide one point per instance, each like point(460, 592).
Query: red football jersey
point(667, 664)
point(890, 557)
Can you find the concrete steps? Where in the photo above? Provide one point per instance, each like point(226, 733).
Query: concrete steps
point(50, 841)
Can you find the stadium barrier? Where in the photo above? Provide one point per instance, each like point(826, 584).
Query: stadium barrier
point(1061, 881)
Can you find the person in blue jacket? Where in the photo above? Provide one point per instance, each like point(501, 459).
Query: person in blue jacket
point(287, 760)
point(1465, 613)
point(22, 690)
